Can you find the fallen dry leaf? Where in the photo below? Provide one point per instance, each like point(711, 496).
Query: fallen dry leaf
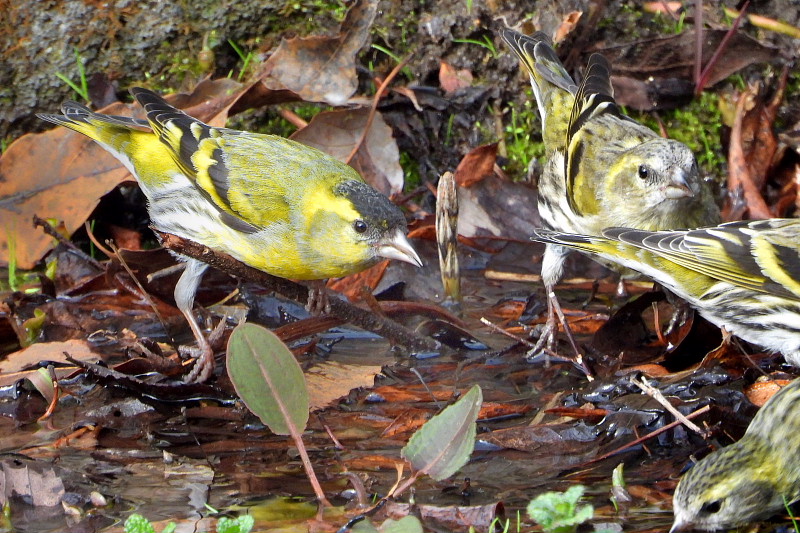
point(329, 381)
point(351, 286)
point(451, 79)
point(668, 8)
point(319, 68)
point(652, 93)
point(476, 165)
point(665, 60)
point(57, 174)
point(760, 392)
point(62, 174)
point(740, 177)
point(758, 138)
point(48, 351)
point(37, 483)
point(497, 207)
point(451, 518)
point(567, 25)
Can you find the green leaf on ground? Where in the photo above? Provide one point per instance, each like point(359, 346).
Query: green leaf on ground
point(444, 444)
point(267, 378)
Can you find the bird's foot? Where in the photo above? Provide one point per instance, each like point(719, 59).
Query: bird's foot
point(545, 344)
point(547, 340)
point(151, 351)
point(203, 354)
point(318, 301)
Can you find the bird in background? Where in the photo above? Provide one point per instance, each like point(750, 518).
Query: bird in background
point(743, 276)
point(750, 480)
point(603, 168)
point(274, 204)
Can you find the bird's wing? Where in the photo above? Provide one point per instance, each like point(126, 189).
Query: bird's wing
point(744, 254)
point(595, 97)
point(198, 150)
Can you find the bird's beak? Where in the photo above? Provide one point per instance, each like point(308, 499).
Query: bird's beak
point(678, 188)
point(395, 245)
point(677, 526)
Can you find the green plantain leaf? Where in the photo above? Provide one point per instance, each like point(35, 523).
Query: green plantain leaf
point(443, 445)
point(268, 379)
point(407, 524)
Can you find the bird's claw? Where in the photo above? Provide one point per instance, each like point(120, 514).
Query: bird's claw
point(203, 354)
point(318, 301)
point(545, 344)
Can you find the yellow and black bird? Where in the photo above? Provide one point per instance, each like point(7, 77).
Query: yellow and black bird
point(274, 204)
point(603, 168)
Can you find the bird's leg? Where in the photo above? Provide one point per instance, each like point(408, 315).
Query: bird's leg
point(552, 269)
point(547, 339)
point(592, 293)
point(318, 302)
point(682, 313)
point(551, 297)
point(185, 290)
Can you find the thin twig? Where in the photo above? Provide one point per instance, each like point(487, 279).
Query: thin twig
point(650, 435)
point(292, 118)
point(498, 329)
point(657, 325)
point(428, 389)
point(568, 333)
point(114, 251)
point(89, 233)
point(698, 43)
point(550, 353)
point(657, 396)
point(37, 221)
point(374, 109)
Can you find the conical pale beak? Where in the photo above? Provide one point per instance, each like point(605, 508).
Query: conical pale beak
point(678, 187)
point(395, 245)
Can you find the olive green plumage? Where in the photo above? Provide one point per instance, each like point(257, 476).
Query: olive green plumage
point(275, 204)
point(603, 168)
point(749, 480)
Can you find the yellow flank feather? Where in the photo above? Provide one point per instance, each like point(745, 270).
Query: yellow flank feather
point(274, 204)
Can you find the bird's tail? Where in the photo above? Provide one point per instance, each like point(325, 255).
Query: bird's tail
point(548, 77)
point(112, 132)
point(552, 85)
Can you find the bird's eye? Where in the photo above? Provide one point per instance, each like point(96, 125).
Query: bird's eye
point(644, 172)
point(360, 226)
point(711, 507)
